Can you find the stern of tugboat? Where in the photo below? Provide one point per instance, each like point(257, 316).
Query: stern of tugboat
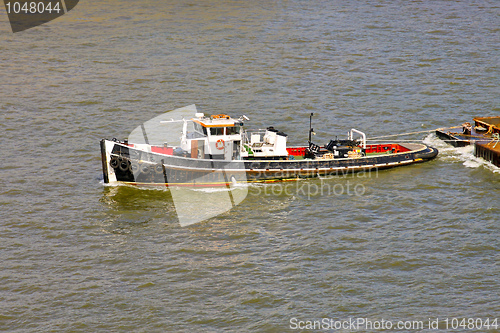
point(422, 152)
point(106, 148)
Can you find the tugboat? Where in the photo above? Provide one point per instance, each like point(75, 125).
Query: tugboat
point(485, 136)
point(217, 150)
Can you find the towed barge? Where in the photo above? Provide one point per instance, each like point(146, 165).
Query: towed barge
point(484, 135)
point(218, 151)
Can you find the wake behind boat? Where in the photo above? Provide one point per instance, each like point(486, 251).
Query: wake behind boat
point(217, 150)
point(485, 136)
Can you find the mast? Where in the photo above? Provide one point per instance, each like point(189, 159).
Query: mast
point(310, 127)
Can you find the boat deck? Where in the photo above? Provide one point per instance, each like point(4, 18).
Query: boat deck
point(298, 153)
point(491, 123)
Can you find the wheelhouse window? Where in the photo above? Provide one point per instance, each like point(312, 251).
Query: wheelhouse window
point(200, 130)
point(217, 130)
point(195, 131)
point(232, 130)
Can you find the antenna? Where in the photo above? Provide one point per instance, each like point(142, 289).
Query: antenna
point(310, 127)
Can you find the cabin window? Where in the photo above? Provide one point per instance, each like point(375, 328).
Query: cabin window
point(217, 130)
point(200, 129)
point(194, 131)
point(232, 130)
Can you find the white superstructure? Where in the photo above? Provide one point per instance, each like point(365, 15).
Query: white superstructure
point(221, 137)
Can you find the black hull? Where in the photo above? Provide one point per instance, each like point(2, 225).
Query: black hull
point(123, 164)
point(453, 139)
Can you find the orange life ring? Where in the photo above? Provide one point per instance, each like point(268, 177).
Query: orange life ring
point(220, 144)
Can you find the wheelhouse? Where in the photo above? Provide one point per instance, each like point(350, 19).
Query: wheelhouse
point(216, 137)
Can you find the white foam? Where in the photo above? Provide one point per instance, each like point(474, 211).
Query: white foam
point(462, 154)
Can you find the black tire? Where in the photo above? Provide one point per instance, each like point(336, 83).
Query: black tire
point(145, 168)
point(124, 165)
point(159, 169)
point(114, 162)
point(135, 167)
